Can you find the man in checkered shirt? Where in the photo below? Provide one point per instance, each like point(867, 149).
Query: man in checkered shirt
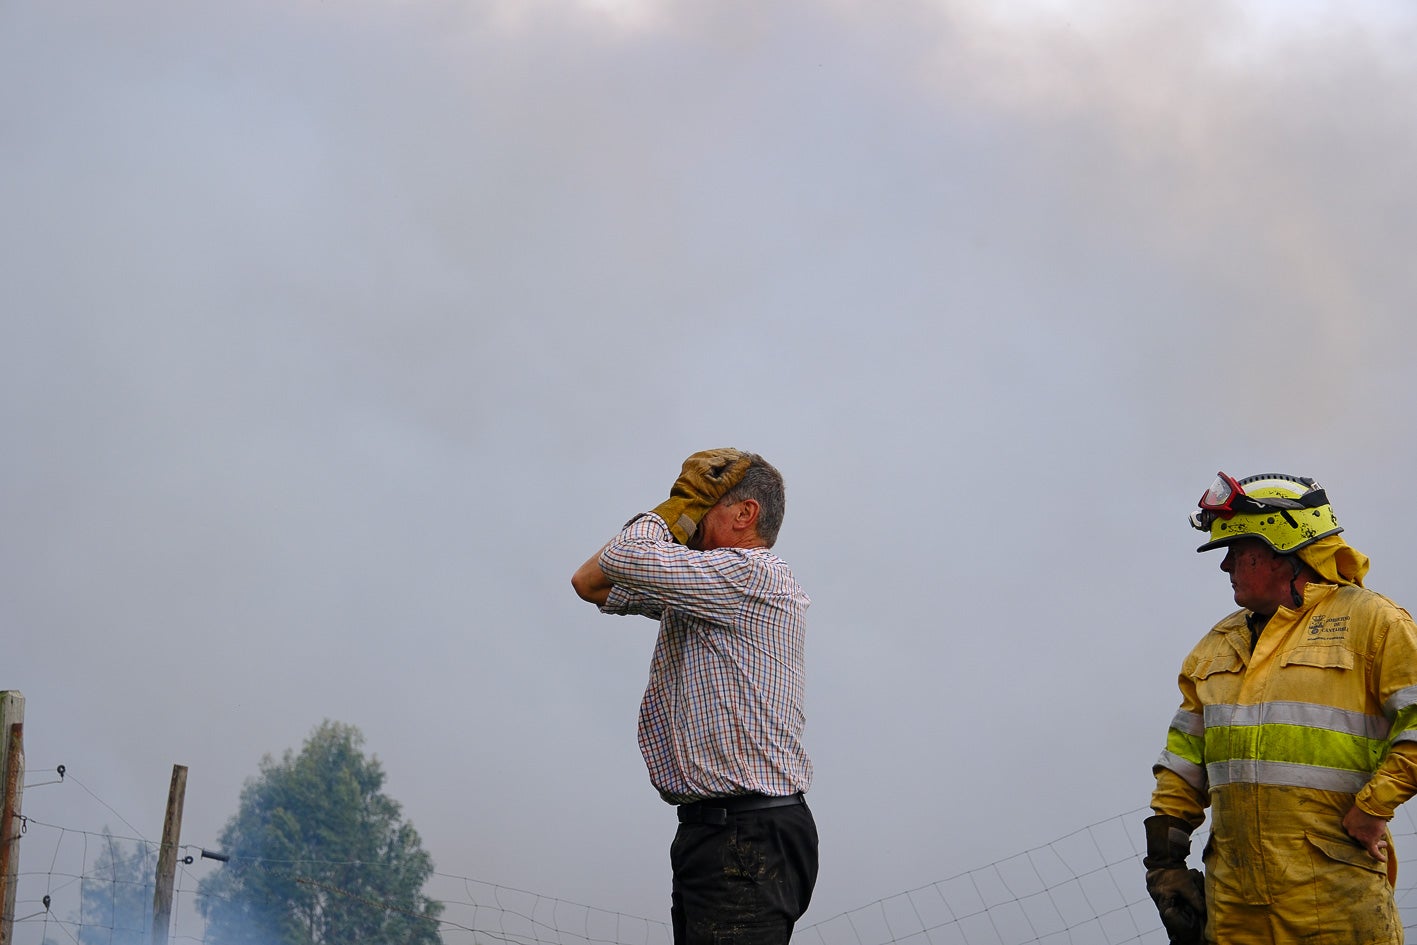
point(721, 722)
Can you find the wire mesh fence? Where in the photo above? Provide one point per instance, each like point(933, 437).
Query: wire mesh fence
point(1085, 888)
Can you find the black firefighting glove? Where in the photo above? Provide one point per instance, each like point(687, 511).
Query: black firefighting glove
point(1179, 892)
point(707, 477)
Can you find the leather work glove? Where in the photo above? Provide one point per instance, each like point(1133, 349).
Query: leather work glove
point(707, 476)
point(1179, 893)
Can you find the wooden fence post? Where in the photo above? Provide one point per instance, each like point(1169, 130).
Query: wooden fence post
point(167, 856)
point(12, 782)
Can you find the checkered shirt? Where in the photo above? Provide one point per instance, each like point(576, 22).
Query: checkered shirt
point(722, 713)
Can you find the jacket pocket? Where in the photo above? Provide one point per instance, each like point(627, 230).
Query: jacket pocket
point(1320, 657)
point(1219, 663)
point(1349, 852)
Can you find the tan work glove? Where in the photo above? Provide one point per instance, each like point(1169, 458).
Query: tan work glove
point(707, 476)
point(1179, 893)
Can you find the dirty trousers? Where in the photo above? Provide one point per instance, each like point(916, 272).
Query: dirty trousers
point(744, 882)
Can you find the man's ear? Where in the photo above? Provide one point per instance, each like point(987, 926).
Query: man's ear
point(746, 515)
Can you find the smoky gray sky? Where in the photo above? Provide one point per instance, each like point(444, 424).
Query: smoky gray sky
point(335, 335)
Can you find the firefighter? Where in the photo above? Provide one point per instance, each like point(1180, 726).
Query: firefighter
point(1297, 728)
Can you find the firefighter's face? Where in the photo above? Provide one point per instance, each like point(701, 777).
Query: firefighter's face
point(1259, 576)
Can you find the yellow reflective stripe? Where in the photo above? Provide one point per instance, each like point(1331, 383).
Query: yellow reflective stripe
point(1404, 724)
point(1286, 775)
point(1183, 745)
point(1404, 716)
point(1306, 714)
point(1293, 744)
point(1192, 773)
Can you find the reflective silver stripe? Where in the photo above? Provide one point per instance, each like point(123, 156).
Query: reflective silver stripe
point(1299, 713)
point(1400, 700)
point(1188, 723)
point(1286, 774)
point(1192, 773)
point(1408, 736)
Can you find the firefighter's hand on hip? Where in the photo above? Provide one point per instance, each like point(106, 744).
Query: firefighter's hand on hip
point(1370, 832)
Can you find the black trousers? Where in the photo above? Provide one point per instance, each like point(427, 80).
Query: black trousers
point(746, 881)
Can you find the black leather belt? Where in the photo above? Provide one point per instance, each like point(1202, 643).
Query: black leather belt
point(715, 810)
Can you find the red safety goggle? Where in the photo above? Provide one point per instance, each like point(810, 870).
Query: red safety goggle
point(1226, 497)
point(1223, 495)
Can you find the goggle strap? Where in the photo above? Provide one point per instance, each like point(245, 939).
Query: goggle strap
point(1202, 519)
point(1309, 500)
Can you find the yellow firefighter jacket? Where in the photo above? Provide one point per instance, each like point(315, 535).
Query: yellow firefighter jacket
point(1280, 742)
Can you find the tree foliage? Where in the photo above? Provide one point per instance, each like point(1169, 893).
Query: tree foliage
point(116, 896)
point(320, 855)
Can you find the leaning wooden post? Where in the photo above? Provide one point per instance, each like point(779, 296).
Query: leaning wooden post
point(167, 856)
point(12, 782)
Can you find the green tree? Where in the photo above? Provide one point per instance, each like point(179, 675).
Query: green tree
point(320, 856)
point(116, 896)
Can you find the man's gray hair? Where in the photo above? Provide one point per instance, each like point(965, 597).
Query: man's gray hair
point(762, 483)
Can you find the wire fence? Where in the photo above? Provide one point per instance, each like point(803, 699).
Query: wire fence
point(90, 887)
point(1085, 888)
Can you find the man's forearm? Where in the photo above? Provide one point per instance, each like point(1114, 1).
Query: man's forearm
point(590, 582)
